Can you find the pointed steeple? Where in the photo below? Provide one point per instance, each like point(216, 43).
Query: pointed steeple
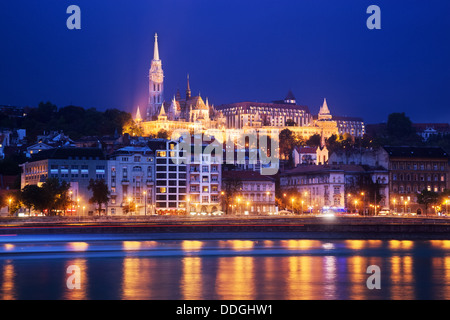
point(324, 112)
point(138, 117)
point(156, 50)
point(162, 112)
point(188, 89)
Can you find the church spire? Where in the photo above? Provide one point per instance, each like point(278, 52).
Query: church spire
point(156, 84)
point(156, 49)
point(138, 117)
point(188, 89)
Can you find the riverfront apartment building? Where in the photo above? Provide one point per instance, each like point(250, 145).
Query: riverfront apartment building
point(130, 180)
point(76, 166)
point(256, 194)
point(412, 170)
point(170, 177)
point(204, 178)
point(337, 187)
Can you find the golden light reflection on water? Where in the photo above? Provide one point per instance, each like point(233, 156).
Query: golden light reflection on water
point(401, 244)
point(78, 246)
point(235, 278)
point(401, 278)
point(8, 291)
point(191, 281)
point(300, 244)
point(313, 270)
point(9, 246)
point(441, 276)
point(137, 277)
point(192, 245)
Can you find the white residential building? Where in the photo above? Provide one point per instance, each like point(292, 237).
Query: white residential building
point(130, 179)
point(204, 179)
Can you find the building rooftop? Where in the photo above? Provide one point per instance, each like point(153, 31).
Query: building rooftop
point(71, 153)
point(313, 169)
point(246, 175)
point(271, 106)
point(416, 152)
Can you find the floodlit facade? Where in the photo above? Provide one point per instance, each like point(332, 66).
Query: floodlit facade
point(131, 173)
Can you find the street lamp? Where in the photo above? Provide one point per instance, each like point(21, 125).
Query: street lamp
point(292, 202)
point(302, 206)
point(187, 204)
point(9, 206)
point(406, 202)
point(145, 202)
point(239, 204)
point(395, 208)
point(364, 203)
point(129, 204)
point(356, 203)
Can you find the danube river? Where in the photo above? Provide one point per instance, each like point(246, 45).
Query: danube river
point(140, 267)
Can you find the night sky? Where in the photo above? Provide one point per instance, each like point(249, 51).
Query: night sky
point(233, 51)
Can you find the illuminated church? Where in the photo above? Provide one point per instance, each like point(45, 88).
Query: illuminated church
point(188, 112)
point(193, 113)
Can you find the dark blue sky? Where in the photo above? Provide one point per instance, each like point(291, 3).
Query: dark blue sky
point(234, 51)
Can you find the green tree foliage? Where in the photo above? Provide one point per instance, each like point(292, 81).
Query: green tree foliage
point(293, 200)
point(231, 188)
point(75, 121)
point(427, 198)
point(55, 196)
point(100, 193)
point(31, 196)
point(314, 141)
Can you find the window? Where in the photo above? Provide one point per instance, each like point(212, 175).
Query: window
point(337, 189)
point(137, 159)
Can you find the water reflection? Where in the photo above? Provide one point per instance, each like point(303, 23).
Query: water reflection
point(8, 281)
point(229, 270)
point(235, 278)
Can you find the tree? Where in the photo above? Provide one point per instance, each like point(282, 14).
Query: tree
point(32, 197)
point(427, 198)
point(231, 187)
point(444, 199)
point(287, 143)
point(55, 195)
point(100, 193)
point(314, 140)
point(162, 134)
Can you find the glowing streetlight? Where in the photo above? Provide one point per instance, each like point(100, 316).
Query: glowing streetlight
point(145, 202)
point(292, 202)
point(9, 206)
